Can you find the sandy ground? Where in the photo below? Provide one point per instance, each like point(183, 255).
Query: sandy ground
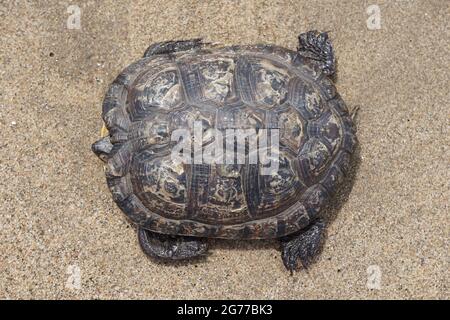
point(388, 235)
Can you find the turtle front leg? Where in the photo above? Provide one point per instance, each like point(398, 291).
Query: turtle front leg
point(102, 148)
point(173, 46)
point(302, 246)
point(169, 247)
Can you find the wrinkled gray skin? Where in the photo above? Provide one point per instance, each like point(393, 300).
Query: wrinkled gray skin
point(167, 47)
point(102, 148)
point(302, 247)
point(297, 249)
point(159, 245)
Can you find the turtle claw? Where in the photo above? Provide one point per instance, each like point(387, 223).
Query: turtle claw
point(302, 247)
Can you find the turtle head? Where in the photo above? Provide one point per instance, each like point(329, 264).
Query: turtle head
point(102, 148)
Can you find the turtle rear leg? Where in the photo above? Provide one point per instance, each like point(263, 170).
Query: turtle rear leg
point(169, 247)
point(173, 46)
point(317, 46)
point(302, 246)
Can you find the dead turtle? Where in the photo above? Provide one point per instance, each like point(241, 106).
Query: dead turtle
point(178, 205)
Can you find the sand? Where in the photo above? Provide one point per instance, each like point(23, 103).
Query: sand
point(62, 237)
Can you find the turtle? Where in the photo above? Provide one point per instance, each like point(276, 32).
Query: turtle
point(179, 84)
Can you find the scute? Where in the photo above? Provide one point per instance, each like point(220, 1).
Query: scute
point(292, 128)
point(280, 188)
point(217, 76)
point(163, 92)
point(260, 81)
point(151, 92)
point(225, 199)
point(327, 129)
point(313, 158)
point(239, 117)
point(253, 87)
point(159, 183)
point(305, 98)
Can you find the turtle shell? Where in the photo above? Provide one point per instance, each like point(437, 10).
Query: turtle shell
point(242, 87)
